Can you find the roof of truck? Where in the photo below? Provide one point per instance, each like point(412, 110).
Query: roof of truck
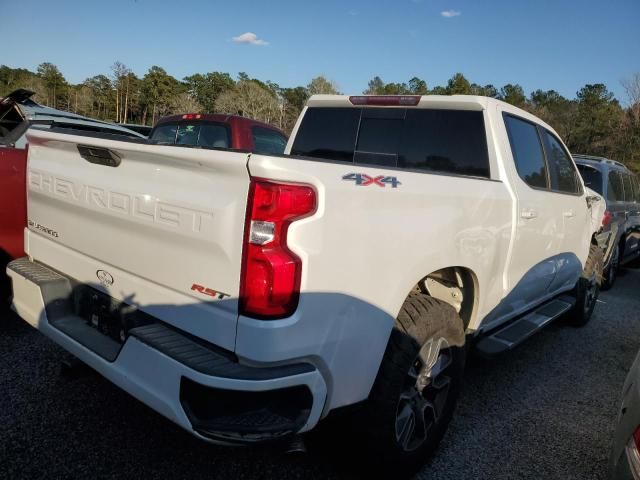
point(458, 102)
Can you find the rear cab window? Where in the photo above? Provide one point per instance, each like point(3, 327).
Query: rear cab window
point(194, 134)
point(426, 140)
point(268, 141)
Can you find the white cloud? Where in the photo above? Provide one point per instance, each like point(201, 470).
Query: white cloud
point(450, 13)
point(250, 38)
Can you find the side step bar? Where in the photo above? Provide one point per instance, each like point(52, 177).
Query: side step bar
point(508, 337)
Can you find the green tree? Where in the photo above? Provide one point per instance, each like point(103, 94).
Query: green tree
point(417, 86)
point(158, 91)
point(205, 89)
point(375, 86)
point(55, 84)
point(321, 85)
point(513, 94)
point(598, 120)
point(458, 85)
point(556, 110)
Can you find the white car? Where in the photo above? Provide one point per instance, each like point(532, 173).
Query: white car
point(246, 296)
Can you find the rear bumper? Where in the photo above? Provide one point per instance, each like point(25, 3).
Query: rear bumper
point(198, 386)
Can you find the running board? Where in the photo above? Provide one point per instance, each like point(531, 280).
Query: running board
point(517, 331)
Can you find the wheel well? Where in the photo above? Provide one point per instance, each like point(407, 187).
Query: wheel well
point(455, 285)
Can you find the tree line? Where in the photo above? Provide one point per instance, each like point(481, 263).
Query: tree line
point(594, 122)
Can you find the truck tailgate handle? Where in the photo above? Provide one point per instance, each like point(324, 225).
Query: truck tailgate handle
point(569, 213)
point(528, 213)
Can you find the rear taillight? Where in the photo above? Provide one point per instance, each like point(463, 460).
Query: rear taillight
point(606, 218)
point(270, 282)
point(386, 100)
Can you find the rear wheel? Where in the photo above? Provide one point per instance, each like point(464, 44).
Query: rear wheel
point(587, 288)
point(418, 383)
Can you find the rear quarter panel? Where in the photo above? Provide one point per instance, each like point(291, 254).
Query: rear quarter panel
point(363, 252)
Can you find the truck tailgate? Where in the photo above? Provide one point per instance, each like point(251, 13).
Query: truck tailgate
point(159, 227)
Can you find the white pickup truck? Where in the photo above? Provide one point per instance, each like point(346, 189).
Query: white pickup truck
point(246, 296)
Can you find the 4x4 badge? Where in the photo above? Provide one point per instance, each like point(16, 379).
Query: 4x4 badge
point(364, 180)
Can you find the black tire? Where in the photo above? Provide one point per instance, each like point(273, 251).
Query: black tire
point(587, 288)
point(611, 273)
point(387, 414)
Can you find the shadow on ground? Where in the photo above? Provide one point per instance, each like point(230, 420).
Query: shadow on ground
point(546, 410)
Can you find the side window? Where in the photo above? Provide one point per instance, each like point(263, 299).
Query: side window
point(628, 189)
point(636, 186)
point(527, 151)
point(564, 177)
point(266, 140)
point(592, 178)
point(615, 192)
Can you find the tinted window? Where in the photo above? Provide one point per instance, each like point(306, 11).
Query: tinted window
point(636, 186)
point(165, 134)
point(628, 189)
point(328, 133)
point(527, 151)
point(615, 192)
point(564, 177)
point(202, 134)
point(266, 140)
point(419, 139)
point(432, 141)
point(592, 177)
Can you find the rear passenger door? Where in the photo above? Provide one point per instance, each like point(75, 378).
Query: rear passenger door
point(568, 198)
point(539, 228)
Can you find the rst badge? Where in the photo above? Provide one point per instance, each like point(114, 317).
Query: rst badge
point(364, 180)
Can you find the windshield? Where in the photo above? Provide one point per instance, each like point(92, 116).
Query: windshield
point(201, 134)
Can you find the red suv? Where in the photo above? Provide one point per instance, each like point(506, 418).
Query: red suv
point(218, 131)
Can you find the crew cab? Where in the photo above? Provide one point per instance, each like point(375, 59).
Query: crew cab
point(17, 113)
point(219, 131)
point(247, 296)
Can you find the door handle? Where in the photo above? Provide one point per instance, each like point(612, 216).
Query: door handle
point(528, 213)
point(569, 213)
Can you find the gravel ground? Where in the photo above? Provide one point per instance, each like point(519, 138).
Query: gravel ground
point(546, 410)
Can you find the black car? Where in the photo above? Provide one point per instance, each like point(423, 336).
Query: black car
point(620, 235)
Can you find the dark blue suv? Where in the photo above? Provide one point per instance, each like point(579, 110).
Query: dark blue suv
point(620, 235)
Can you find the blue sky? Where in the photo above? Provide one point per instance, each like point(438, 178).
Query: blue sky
point(561, 44)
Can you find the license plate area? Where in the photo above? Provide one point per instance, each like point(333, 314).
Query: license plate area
point(107, 315)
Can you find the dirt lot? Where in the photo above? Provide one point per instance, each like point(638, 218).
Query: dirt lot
point(546, 410)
